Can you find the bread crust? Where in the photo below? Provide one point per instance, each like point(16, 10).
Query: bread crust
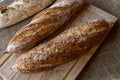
point(21, 9)
point(65, 47)
point(43, 24)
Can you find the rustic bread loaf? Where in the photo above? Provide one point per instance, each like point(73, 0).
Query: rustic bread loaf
point(43, 24)
point(20, 9)
point(65, 47)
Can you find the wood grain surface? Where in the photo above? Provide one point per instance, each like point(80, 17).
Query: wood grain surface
point(105, 64)
point(67, 71)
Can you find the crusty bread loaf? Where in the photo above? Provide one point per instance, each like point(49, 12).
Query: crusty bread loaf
point(43, 24)
point(63, 48)
point(20, 9)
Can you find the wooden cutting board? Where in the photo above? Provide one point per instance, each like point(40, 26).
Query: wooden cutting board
point(67, 71)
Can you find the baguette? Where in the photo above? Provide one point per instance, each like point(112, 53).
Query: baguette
point(43, 24)
point(65, 47)
point(18, 10)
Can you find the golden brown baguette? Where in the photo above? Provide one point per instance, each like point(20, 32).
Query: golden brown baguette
point(43, 24)
point(65, 47)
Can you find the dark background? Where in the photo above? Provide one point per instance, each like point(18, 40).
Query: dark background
point(105, 64)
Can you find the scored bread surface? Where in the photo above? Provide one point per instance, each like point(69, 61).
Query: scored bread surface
point(20, 9)
point(65, 47)
point(43, 24)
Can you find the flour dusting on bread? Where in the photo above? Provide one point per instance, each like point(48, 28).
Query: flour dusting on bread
point(65, 3)
point(43, 24)
point(21, 9)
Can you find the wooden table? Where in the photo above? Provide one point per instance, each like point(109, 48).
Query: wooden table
point(105, 64)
